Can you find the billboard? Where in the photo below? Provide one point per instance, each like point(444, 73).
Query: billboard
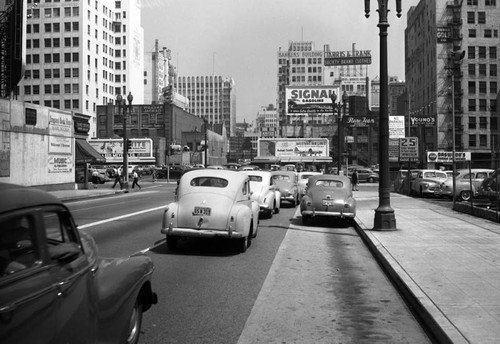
point(293, 148)
point(347, 58)
point(302, 100)
point(112, 150)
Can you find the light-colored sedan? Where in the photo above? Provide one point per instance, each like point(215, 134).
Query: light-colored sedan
point(212, 204)
point(286, 182)
point(328, 196)
point(265, 192)
point(464, 179)
point(427, 182)
point(302, 179)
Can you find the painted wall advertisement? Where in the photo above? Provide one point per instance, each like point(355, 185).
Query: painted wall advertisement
point(60, 159)
point(286, 148)
point(344, 58)
point(310, 99)
point(112, 150)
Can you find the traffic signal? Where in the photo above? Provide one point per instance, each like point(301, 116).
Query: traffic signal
point(129, 144)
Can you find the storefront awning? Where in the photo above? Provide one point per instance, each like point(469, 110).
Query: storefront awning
point(85, 153)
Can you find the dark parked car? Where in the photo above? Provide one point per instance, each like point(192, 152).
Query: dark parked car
point(54, 288)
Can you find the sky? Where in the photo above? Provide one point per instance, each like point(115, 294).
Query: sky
point(240, 38)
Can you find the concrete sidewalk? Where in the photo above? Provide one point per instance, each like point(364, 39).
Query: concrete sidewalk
point(446, 264)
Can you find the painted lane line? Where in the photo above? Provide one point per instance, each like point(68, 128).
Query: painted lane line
point(120, 217)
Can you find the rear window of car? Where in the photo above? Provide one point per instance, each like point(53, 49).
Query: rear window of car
point(281, 177)
point(332, 183)
point(306, 176)
point(255, 178)
point(210, 182)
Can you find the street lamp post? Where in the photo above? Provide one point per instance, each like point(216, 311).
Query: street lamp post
point(206, 141)
point(125, 150)
point(384, 214)
point(120, 102)
point(340, 139)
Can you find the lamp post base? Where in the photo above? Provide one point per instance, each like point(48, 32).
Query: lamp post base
point(385, 220)
point(125, 186)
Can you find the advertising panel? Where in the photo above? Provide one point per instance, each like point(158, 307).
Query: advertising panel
point(344, 58)
point(286, 148)
point(112, 150)
point(443, 34)
point(60, 164)
point(309, 99)
point(360, 121)
point(445, 156)
point(426, 121)
point(60, 129)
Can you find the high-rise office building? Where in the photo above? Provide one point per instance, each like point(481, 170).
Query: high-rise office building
point(81, 54)
point(159, 73)
point(451, 55)
point(210, 97)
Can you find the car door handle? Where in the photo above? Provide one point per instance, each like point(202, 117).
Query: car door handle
point(62, 287)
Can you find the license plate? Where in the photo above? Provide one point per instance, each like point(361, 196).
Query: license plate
point(201, 211)
point(328, 202)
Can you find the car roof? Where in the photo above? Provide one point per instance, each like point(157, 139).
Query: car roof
point(313, 179)
point(13, 196)
point(285, 173)
point(234, 177)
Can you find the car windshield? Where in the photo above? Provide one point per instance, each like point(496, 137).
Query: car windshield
point(281, 177)
point(209, 181)
point(333, 183)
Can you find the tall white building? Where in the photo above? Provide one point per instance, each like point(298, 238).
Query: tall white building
point(267, 121)
point(81, 54)
point(159, 73)
point(210, 97)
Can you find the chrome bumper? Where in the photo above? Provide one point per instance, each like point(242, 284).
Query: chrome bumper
point(201, 233)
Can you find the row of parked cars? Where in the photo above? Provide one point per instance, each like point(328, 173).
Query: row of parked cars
point(230, 203)
point(423, 182)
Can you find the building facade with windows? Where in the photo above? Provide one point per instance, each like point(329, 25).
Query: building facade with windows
point(211, 97)
point(451, 57)
point(81, 54)
point(267, 121)
point(159, 73)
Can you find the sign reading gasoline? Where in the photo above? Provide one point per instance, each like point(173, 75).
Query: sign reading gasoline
point(445, 156)
point(310, 99)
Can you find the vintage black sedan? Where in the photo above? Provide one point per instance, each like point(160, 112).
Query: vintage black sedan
point(328, 195)
point(54, 288)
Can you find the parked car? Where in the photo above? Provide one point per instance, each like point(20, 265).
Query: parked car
point(328, 195)
point(365, 175)
point(463, 181)
point(427, 182)
point(302, 180)
point(173, 172)
point(264, 192)
point(286, 182)
point(102, 178)
point(212, 203)
point(54, 288)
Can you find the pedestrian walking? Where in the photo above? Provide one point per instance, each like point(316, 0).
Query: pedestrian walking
point(118, 178)
point(354, 180)
point(95, 178)
point(155, 175)
point(136, 180)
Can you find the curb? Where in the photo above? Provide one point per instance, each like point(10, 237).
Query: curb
point(434, 322)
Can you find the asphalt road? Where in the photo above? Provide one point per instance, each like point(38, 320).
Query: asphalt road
point(206, 289)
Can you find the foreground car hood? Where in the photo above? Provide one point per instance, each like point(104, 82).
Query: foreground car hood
point(218, 205)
